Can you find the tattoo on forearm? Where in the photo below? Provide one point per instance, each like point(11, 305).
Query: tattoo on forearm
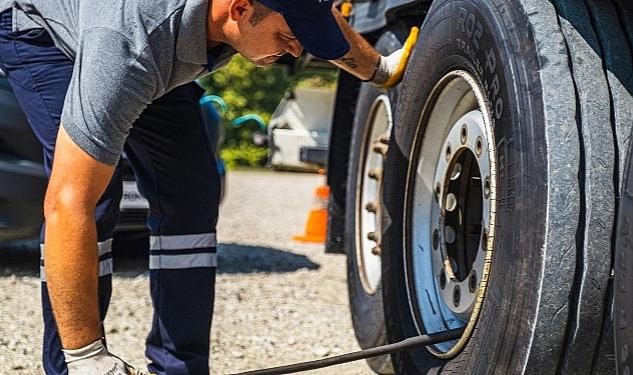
point(349, 61)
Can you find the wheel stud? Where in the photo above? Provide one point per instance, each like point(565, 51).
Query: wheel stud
point(484, 240)
point(472, 282)
point(451, 202)
point(376, 250)
point(436, 239)
point(487, 187)
point(372, 236)
point(380, 148)
point(457, 296)
point(371, 207)
point(442, 279)
point(464, 134)
point(375, 173)
point(479, 146)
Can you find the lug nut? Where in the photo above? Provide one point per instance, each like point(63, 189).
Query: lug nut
point(375, 173)
point(436, 238)
point(371, 207)
point(376, 250)
point(479, 146)
point(449, 152)
point(451, 202)
point(464, 135)
point(438, 189)
point(442, 279)
point(372, 236)
point(384, 139)
point(380, 148)
point(472, 282)
point(457, 296)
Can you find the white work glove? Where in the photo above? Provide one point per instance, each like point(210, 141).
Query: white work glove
point(391, 68)
point(94, 359)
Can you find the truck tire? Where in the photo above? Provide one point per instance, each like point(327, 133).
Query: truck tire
point(621, 63)
point(370, 134)
point(623, 293)
point(499, 189)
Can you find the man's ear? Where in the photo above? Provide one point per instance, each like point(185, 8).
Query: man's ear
point(240, 10)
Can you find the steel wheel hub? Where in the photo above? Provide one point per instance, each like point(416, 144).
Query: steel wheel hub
point(450, 210)
point(368, 191)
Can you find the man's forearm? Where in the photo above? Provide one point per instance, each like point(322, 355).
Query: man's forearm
point(362, 59)
point(70, 245)
point(71, 265)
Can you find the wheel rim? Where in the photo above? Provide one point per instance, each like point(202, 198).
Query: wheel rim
point(450, 214)
point(368, 189)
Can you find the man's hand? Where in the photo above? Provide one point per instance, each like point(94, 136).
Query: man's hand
point(366, 63)
point(94, 359)
point(391, 68)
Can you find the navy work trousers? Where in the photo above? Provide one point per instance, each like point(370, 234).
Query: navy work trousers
point(175, 168)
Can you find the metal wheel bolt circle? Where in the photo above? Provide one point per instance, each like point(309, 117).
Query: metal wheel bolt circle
point(374, 147)
point(453, 197)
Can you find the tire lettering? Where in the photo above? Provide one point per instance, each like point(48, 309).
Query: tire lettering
point(495, 86)
point(460, 19)
point(470, 25)
point(491, 61)
point(499, 108)
point(479, 32)
point(473, 29)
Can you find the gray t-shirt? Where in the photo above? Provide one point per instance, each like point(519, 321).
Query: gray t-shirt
point(126, 54)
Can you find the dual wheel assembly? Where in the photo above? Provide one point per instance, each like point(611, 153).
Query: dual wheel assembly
point(485, 192)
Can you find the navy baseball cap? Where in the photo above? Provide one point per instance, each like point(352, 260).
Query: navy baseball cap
point(314, 25)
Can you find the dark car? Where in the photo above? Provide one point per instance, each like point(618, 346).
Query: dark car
point(22, 177)
point(23, 180)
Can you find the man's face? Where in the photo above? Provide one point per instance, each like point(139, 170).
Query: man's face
point(261, 40)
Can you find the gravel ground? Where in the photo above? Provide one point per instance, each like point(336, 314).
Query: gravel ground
point(277, 301)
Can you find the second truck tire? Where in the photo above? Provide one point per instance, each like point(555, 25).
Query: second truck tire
point(370, 134)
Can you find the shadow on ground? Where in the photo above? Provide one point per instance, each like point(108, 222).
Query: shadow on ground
point(236, 258)
point(24, 260)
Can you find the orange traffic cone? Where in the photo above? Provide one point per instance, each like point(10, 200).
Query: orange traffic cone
point(316, 226)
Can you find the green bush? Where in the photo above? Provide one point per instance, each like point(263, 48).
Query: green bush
point(244, 154)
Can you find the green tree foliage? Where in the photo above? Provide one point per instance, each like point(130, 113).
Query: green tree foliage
point(248, 89)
